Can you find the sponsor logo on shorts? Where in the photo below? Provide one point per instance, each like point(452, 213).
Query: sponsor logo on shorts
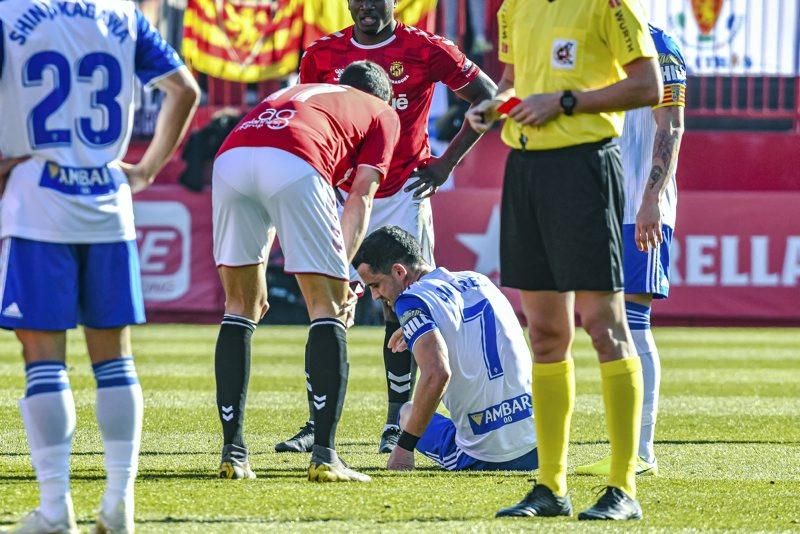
point(565, 52)
point(164, 234)
point(507, 412)
point(78, 180)
point(13, 311)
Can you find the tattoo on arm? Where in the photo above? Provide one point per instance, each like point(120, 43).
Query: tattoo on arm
point(656, 177)
point(665, 148)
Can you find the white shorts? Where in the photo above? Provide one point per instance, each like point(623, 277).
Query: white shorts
point(258, 190)
point(403, 210)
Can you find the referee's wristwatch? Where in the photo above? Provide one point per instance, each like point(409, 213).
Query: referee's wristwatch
point(568, 102)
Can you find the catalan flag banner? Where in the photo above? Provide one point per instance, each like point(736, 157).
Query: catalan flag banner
point(243, 40)
point(323, 17)
point(419, 13)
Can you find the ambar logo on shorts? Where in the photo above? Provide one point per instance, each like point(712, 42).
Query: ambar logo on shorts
point(164, 237)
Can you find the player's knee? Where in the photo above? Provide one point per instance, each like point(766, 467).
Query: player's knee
point(252, 306)
point(547, 338)
point(405, 414)
point(601, 331)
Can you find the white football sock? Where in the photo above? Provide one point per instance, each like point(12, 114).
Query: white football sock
point(119, 415)
point(49, 420)
point(651, 374)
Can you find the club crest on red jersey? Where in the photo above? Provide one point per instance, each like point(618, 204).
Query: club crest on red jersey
point(397, 72)
point(396, 69)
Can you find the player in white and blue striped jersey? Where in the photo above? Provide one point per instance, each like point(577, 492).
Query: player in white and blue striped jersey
point(68, 253)
point(649, 144)
point(471, 355)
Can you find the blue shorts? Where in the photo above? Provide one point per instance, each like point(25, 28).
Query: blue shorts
point(646, 273)
point(438, 443)
point(56, 286)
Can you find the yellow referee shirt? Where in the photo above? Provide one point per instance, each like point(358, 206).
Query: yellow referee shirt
point(569, 44)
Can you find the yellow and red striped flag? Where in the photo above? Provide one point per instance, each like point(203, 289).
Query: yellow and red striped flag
point(257, 40)
point(323, 17)
point(243, 40)
point(419, 13)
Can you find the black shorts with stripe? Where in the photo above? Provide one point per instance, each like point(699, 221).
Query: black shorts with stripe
point(561, 223)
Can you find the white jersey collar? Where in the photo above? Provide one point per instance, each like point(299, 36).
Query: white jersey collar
point(376, 45)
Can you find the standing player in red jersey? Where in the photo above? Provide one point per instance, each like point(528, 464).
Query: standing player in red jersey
point(276, 172)
point(415, 61)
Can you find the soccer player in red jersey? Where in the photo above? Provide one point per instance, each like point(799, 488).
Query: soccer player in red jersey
point(415, 61)
point(276, 172)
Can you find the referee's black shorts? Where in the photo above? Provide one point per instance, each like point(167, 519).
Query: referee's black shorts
point(561, 224)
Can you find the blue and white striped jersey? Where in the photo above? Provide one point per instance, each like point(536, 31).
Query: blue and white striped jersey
point(639, 132)
point(68, 70)
point(489, 395)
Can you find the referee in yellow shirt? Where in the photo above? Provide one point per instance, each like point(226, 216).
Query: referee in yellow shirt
point(575, 65)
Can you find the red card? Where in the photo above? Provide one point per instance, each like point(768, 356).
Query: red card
point(508, 105)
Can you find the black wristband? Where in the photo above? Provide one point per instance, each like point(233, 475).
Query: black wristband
point(407, 441)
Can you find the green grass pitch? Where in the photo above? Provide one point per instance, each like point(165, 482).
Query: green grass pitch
point(728, 441)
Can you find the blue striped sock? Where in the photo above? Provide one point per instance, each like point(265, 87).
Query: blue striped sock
point(45, 377)
point(638, 316)
point(117, 372)
point(639, 323)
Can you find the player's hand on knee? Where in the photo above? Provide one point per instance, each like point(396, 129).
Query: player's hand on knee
point(6, 166)
point(397, 342)
point(400, 460)
point(428, 178)
point(350, 308)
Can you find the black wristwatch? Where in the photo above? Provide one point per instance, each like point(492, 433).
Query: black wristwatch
point(568, 102)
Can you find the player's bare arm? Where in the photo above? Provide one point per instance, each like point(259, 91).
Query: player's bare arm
point(357, 208)
point(670, 127)
point(430, 352)
point(484, 113)
point(642, 87)
point(181, 96)
point(437, 170)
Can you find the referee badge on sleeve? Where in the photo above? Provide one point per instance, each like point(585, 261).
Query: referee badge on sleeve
point(564, 54)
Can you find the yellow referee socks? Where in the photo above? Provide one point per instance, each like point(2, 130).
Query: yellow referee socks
point(553, 402)
point(622, 393)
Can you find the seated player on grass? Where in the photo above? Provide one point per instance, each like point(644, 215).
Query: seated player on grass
point(471, 354)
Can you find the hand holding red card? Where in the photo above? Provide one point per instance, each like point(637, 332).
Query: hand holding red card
point(508, 105)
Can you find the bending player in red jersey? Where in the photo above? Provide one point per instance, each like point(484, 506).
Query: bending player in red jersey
point(276, 172)
point(416, 61)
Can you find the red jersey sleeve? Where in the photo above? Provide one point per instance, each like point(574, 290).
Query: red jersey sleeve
point(308, 69)
point(378, 145)
point(450, 66)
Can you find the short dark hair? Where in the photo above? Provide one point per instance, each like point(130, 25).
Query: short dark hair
point(386, 246)
point(368, 77)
